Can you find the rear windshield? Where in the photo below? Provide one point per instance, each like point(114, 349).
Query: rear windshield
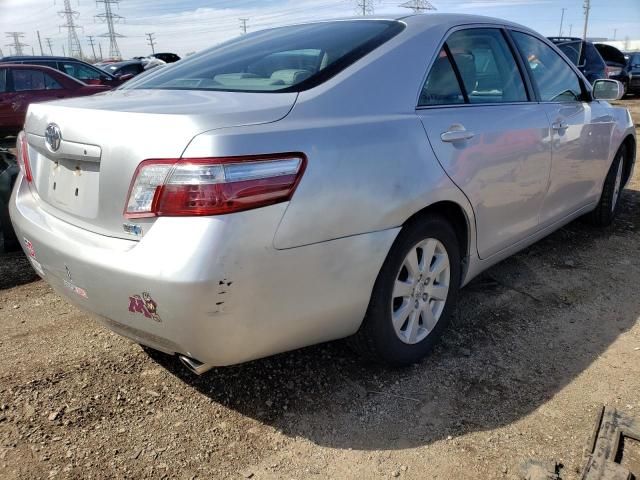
point(277, 60)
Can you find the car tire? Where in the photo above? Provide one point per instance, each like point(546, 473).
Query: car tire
point(418, 288)
point(609, 203)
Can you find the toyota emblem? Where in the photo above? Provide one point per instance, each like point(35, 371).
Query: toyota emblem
point(53, 137)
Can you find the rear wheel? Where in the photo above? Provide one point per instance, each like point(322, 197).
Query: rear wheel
point(609, 203)
point(414, 294)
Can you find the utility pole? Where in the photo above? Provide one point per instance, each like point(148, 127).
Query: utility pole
point(33, 52)
point(100, 48)
point(1, 54)
point(243, 25)
point(561, 21)
point(49, 44)
point(111, 19)
point(364, 7)
point(75, 50)
point(570, 28)
point(587, 7)
point(40, 43)
point(93, 49)
point(418, 6)
point(615, 31)
point(17, 42)
point(151, 41)
point(64, 54)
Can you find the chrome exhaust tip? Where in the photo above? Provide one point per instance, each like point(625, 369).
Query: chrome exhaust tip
point(194, 365)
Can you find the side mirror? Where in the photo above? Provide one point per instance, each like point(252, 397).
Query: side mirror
point(604, 89)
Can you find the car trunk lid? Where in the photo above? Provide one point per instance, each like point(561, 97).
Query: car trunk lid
point(85, 181)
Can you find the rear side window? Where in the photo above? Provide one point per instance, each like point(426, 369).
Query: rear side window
point(278, 60)
point(486, 66)
point(441, 87)
point(24, 80)
point(555, 79)
point(3, 80)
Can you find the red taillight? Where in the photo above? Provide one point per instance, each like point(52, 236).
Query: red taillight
point(23, 156)
point(212, 186)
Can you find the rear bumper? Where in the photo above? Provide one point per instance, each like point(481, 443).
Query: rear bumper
point(218, 291)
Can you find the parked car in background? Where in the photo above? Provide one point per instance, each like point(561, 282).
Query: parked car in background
point(8, 172)
point(584, 55)
point(21, 85)
point(126, 67)
point(633, 64)
point(166, 57)
point(77, 69)
point(247, 201)
point(617, 64)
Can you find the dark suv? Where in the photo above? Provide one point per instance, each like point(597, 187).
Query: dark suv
point(617, 65)
point(633, 64)
point(74, 68)
point(584, 55)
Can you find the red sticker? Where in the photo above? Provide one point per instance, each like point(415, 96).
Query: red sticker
point(30, 250)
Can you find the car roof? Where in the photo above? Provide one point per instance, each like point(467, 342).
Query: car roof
point(39, 57)
point(41, 67)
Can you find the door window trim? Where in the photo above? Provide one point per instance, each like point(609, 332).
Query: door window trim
point(528, 84)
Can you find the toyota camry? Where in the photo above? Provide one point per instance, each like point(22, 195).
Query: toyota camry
point(313, 182)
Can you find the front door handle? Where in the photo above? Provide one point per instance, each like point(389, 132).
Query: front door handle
point(559, 125)
point(456, 133)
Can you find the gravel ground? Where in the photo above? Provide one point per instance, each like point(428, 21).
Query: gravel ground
point(538, 344)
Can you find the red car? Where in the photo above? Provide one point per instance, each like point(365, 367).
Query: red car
point(21, 85)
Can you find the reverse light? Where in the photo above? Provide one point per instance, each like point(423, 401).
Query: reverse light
point(22, 148)
point(212, 186)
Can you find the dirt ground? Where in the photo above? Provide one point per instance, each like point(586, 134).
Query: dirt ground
point(538, 344)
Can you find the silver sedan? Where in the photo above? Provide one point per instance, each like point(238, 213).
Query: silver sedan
point(313, 182)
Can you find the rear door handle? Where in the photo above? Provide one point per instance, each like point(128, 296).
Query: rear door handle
point(456, 133)
point(559, 125)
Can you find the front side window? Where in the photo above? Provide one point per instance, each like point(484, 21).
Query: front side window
point(277, 60)
point(3, 80)
point(555, 79)
point(487, 67)
point(24, 80)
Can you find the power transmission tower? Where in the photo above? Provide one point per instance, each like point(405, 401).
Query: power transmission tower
point(93, 49)
point(587, 7)
point(50, 45)
point(243, 24)
point(75, 50)
point(110, 19)
point(561, 21)
point(364, 7)
point(17, 42)
point(418, 6)
point(40, 43)
point(151, 42)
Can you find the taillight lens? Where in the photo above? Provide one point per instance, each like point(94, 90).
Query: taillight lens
point(22, 148)
point(212, 186)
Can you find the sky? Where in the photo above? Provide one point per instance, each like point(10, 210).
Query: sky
point(191, 25)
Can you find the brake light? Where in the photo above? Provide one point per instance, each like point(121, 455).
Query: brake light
point(212, 186)
point(23, 156)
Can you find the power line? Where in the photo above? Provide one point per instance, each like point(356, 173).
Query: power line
point(75, 50)
point(243, 24)
point(418, 6)
point(151, 41)
point(110, 19)
point(17, 42)
point(49, 44)
point(93, 48)
point(364, 7)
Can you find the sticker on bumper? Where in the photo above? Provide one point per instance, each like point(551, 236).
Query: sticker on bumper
point(145, 305)
point(77, 290)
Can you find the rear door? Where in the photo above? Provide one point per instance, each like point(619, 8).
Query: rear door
point(580, 130)
point(489, 137)
point(6, 100)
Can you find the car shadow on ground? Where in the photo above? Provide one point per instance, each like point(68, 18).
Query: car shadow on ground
point(15, 269)
point(524, 330)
